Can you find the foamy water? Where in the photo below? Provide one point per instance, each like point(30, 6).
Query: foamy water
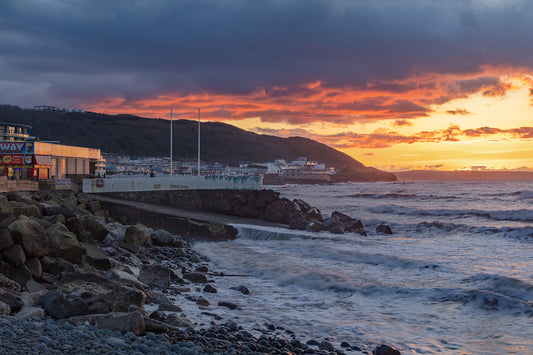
point(456, 276)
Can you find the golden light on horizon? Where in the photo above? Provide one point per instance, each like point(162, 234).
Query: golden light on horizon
point(443, 122)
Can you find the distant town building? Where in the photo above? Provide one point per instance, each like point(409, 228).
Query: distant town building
point(56, 109)
point(22, 157)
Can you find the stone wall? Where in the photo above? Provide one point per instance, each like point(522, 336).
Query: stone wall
point(245, 203)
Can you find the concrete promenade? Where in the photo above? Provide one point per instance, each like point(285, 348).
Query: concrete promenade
point(175, 219)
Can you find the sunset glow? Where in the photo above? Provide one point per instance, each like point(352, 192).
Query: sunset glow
point(424, 85)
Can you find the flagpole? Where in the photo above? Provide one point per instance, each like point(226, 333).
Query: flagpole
point(171, 141)
point(198, 142)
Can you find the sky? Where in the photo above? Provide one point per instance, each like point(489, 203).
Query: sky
point(398, 85)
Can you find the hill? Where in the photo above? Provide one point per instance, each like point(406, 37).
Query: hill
point(223, 143)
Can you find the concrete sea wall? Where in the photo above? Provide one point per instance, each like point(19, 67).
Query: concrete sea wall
point(170, 183)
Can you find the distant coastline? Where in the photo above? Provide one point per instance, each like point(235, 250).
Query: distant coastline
point(464, 175)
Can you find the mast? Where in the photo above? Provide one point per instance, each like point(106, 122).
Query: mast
point(198, 142)
point(171, 141)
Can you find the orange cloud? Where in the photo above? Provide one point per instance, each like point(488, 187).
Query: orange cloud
point(385, 139)
point(399, 101)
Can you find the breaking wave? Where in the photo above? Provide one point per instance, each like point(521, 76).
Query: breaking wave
point(502, 215)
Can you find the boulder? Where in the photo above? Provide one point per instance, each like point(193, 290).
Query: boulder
point(21, 275)
point(6, 219)
point(242, 289)
point(82, 211)
point(137, 235)
point(123, 322)
point(195, 277)
point(70, 203)
point(6, 268)
point(65, 243)
point(313, 226)
point(336, 227)
point(314, 213)
point(94, 206)
point(385, 350)
point(59, 266)
point(12, 299)
point(354, 226)
point(178, 321)
point(59, 306)
point(158, 275)
point(75, 225)
point(26, 210)
point(229, 305)
point(383, 228)
point(121, 297)
point(34, 286)
point(95, 227)
point(5, 310)
point(5, 206)
point(84, 199)
point(6, 240)
point(210, 289)
point(280, 210)
point(35, 267)
point(163, 238)
point(341, 217)
point(43, 222)
point(298, 222)
point(54, 210)
point(7, 283)
point(14, 255)
point(34, 239)
point(30, 312)
point(304, 206)
point(96, 258)
point(164, 303)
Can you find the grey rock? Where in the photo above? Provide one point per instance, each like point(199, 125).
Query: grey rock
point(123, 322)
point(34, 265)
point(6, 241)
point(383, 228)
point(8, 283)
point(60, 306)
point(15, 255)
point(21, 275)
point(385, 350)
point(195, 277)
point(155, 275)
point(35, 240)
point(65, 243)
point(5, 309)
point(31, 312)
point(137, 235)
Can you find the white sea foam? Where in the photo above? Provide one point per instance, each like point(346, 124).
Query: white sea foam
point(455, 277)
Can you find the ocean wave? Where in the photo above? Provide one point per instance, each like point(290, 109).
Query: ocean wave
point(399, 196)
point(437, 228)
point(492, 293)
point(502, 215)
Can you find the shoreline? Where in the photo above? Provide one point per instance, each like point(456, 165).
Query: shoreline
point(154, 273)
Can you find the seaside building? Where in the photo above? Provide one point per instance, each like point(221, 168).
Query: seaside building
point(299, 170)
point(23, 157)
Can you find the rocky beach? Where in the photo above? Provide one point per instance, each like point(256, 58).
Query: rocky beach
point(73, 280)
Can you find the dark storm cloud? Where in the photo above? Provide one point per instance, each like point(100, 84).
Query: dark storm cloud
point(59, 50)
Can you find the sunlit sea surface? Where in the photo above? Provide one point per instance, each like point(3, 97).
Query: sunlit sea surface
point(456, 277)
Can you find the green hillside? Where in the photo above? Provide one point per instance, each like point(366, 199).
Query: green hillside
point(138, 136)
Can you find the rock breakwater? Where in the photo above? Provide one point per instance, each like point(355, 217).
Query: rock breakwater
point(73, 280)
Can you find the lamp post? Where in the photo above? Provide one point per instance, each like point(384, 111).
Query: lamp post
point(198, 142)
point(171, 141)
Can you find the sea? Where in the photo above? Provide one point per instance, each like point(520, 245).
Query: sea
point(455, 277)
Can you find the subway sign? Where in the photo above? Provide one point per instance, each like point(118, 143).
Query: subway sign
point(17, 147)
